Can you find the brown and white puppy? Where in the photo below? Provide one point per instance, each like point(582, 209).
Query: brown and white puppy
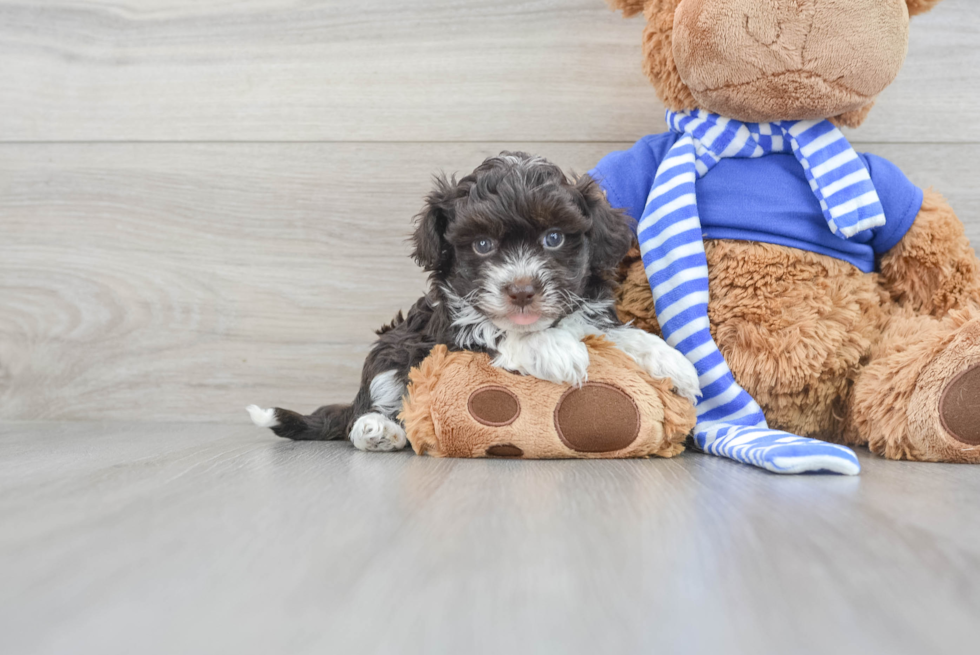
point(521, 261)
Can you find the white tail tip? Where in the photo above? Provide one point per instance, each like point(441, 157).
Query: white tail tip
point(264, 418)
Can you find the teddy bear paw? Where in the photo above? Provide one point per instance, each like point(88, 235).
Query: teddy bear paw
point(959, 407)
point(944, 410)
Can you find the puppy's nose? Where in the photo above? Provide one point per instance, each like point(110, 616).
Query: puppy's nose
point(520, 293)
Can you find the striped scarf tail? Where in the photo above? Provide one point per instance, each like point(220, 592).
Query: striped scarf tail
point(730, 423)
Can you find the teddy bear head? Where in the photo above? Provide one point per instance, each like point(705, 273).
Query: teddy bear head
point(770, 60)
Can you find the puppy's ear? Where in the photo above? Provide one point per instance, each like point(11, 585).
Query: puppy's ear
point(431, 250)
point(611, 234)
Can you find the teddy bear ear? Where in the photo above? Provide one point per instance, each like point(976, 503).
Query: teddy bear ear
point(921, 6)
point(633, 7)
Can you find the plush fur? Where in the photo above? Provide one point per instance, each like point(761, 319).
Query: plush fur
point(521, 262)
point(439, 423)
point(828, 351)
point(760, 61)
point(766, 61)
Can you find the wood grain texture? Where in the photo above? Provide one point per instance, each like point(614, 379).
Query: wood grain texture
point(165, 280)
point(184, 281)
point(375, 70)
point(206, 276)
point(124, 538)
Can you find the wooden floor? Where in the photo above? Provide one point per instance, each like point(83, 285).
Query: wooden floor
point(204, 205)
point(206, 538)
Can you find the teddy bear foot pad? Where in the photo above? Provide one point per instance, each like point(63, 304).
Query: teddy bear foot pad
point(959, 407)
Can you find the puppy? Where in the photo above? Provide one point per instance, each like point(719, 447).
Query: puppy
point(521, 262)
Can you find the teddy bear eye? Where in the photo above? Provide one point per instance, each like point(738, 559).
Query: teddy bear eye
point(484, 246)
point(553, 239)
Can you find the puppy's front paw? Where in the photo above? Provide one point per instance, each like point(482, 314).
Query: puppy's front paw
point(571, 367)
point(681, 372)
point(376, 432)
point(553, 355)
point(659, 360)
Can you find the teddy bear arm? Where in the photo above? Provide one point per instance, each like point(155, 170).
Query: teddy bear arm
point(634, 301)
point(933, 269)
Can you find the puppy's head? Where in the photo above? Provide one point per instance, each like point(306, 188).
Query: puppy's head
point(518, 243)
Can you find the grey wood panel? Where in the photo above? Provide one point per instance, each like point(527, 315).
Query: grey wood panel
point(422, 70)
point(123, 538)
point(184, 281)
point(156, 280)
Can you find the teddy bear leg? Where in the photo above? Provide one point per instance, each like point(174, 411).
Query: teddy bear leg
point(919, 398)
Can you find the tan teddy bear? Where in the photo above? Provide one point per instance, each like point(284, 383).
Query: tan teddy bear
point(870, 337)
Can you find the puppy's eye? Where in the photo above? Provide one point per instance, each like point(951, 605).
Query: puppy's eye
point(553, 239)
point(484, 246)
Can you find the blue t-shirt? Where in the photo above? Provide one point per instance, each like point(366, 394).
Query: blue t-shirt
point(766, 199)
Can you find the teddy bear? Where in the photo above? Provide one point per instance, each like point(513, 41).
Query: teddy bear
point(460, 405)
point(818, 291)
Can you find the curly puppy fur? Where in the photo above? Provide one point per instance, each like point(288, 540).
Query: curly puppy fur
point(521, 262)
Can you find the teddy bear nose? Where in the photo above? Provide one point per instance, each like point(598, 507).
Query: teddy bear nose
point(520, 293)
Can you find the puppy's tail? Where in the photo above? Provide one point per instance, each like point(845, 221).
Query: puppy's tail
point(325, 424)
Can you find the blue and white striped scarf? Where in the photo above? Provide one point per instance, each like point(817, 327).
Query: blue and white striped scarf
point(730, 422)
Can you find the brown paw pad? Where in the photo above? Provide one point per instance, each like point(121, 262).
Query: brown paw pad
point(597, 418)
point(504, 450)
point(494, 406)
point(959, 407)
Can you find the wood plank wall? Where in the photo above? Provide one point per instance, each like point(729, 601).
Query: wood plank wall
point(204, 205)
